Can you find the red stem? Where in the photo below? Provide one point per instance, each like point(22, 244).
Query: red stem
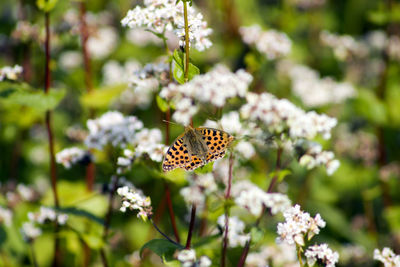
point(191, 227)
point(227, 196)
point(171, 213)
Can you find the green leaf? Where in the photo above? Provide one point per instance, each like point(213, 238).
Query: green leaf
point(102, 97)
point(35, 99)
point(392, 215)
point(93, 241)
point(205, 169)
point(82, 213)
point(193, 71)
point(371, 107)
point(280, 174)
point(3, 235)
point(256, 235)
point(46, 5)
point(162, 104)
point(162, 248)
point(179, 69)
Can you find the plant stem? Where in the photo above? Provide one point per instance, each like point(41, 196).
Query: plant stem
point(270, 190)
point(34, 262)
point(107, 220)
point(185, 15)
point(171, 212)
point(227, 209)
point(53, 171)
point(191, 227)
point(164, 235)
point(299, 256)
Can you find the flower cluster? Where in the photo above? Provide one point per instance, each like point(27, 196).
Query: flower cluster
point(160, 16)
point(102, 42)
point(272, 43)
point(313, 90)
point(214, 87)
point(29, 231)
point(187, 258)
point(134, 199)
point(70, 156)
point(114, 73)
point(10, 73)
point(307, 4)
point(236, 235)
point(5, 216)
point(23, 192)
point(297, 225)
point(278, 254)
point(344, 46)
point(112, 128)
point(252, 198)
point(279, 115)
point(321, 253)
point(387, 257)
point(69, 60)
point(25, 31)
point(315, 156)
point(200, 186)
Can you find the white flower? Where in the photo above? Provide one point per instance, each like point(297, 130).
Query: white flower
point(272, 43)
point(186, 255)
point(307, 4)
point(102, 42)
point(193, 195)
point(69, 156)
point(393, 47)
point(46, 215)
point(249, 196)
point(134, 199)
point(321, 252)
point(280, 114)
point(70, 59)
point(185, 110)
point(344, 46)
point(297, 225)
point(315, 156)
point(30, 231)
point(11, 73)
point(114, 73)
point(313, 90)
point(236, 235)
point(278, 254)
point(160, 16)
point(112, 128)
point(26, 192)
point(387, 257)
point(5, 216)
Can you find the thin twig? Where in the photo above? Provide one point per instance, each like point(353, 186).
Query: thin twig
point(185, 15)
point(191, 227)
point(164, 235)
point(34, 262)
point(171, 212)
point(227, 208)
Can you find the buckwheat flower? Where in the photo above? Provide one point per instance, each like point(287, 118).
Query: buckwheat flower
point(298, 224)
point(249, 196)
point(135, 200)
point(25, 192)
point(315, 156)
point(277, 254)
point(25, 31)
point(102, 42)
point(10, 73)
point(307, 4)
point(280, 114)
point(70, 59)
point(45, 215)
point(272, 43)
point(29, 231)
point(160, 16)
point(387, 257)
point(321, 253)
point(236, 235)
point(70, 156)
point(193, 195)
point(313, 90)
point(185, 110)
point(393, 47)
point(5, 216)
point(377, 40)
point(112, 128)
point(344, 46)
point(186, 255)
point(114, 73)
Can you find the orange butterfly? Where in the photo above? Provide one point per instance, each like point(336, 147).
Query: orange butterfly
point(196, 147)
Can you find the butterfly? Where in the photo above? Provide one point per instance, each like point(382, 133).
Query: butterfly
point(196, 147)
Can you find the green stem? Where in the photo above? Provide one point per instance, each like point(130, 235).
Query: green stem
point(185, 15)
point(299, 255)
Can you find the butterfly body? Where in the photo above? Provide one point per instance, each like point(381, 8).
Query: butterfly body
point(196, 147)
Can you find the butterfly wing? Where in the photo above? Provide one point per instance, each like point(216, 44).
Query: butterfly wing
point(217, 142)
point(194, 163)
point(177, 155)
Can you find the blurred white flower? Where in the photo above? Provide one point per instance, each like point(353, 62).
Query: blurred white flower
point(313, 90)
point(25, 31)
point(323, 253)
point(393, 47)
point(5, 216)
point(102, 42)
point(160, 16)
point(114, 73)
point(27, 193)
point(307, 4)
point(29, 231)
point(236, 235)
point(249, 196)
point(278, 254)
point(70, 59)
point(298, 224)
point(193, 195)
point(187, 258)
point(45, 215)
point(280, 114)
point(387, 257)
point(315, 156)
point(69, 156)
point(344, 46)
point(112, 128)
point(10, 73)
point(134, 199)
point(272, 43)
point(185, 110)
